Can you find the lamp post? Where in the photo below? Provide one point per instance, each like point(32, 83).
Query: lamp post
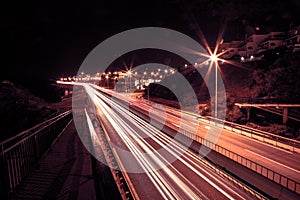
point(216, 91)
point(148, 92)
point(129, 73)
point(115, 79)
point(213, 58)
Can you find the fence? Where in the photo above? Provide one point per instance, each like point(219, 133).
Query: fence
point(266, 137)
point(273, 139)
point(19, 153)
point(276, 140)
point(99, 143)
point(264, 171)
point(270, 138)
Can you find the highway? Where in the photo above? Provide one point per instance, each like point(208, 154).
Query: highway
point(274, 158)
point(280, 160)
point(158, 166)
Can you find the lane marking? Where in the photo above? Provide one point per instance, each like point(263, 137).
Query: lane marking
point(278, 163)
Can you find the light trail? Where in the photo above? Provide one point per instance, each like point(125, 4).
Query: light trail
point(173, 148)
point(154, 156)
point(162, 186)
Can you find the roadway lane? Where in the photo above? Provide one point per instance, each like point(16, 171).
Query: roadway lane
point(151, 150)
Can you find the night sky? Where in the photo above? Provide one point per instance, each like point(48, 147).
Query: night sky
point(48, 39)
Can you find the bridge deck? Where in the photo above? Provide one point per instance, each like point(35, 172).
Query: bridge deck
point(65, 172)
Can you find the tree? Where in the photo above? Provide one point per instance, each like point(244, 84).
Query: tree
point(234, 114)
point(277, 80)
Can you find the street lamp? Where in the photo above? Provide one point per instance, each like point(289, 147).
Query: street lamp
point(129, 73)
point(148, 91)
point(214, 60)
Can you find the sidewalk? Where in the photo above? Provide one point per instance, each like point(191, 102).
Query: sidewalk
point(65, 172)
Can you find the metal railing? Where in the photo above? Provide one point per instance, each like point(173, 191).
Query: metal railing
point(260, 169)
point(270, 138)
point(99, 143)
point(21, 152)
point(267, 137)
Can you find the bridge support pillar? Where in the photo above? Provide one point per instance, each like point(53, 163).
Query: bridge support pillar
point(285, 115)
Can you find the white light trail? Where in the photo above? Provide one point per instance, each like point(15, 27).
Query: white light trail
point(149, 158)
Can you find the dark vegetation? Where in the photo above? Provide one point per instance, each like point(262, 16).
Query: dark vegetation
point(44, 89)
point(20, 109)
point(277, 78)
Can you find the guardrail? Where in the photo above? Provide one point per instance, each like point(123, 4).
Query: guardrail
point(264, 171)
point(260, 169)
point(19, 153)
point(99, 143)
point(270, 138)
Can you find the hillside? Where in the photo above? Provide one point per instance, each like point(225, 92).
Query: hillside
point(20, 109)
point(272, 80)
point(277, 76)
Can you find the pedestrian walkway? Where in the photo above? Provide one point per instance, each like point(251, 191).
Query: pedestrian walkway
point(65, 172)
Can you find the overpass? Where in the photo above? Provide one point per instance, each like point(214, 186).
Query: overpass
point(272, 105)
